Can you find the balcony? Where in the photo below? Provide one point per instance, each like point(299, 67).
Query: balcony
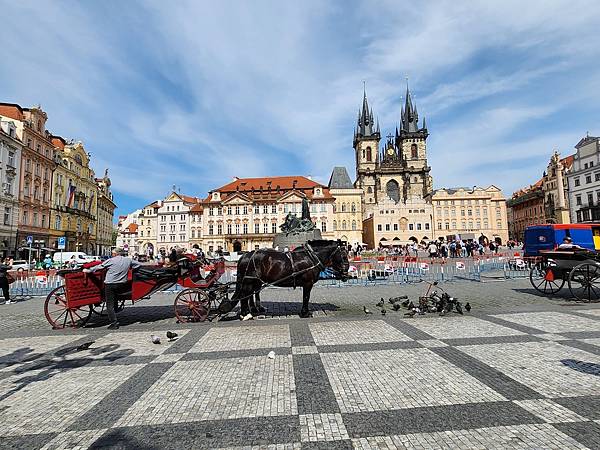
point(589, 212)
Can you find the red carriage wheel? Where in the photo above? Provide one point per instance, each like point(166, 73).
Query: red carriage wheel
point(59, 315)
point(544, 279)
point(192, 305)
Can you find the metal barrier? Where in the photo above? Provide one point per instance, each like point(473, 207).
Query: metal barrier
point(372, 271)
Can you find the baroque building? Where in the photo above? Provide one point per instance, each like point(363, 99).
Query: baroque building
point(396, 181)
point(347, 207)
point(35, 182)
point(74, 198)
point(104, 216)
point(10, 165)
point(584, 181)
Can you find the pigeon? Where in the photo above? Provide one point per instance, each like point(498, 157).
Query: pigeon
point(367, 311)
point(393, 300)
point(468, 307)
point(271, 355)
point(396, 306)
point(380, 303)
point(155, 339)
point(459, 308)
point(405, 303)
point(85, 346)
point(442, 313)
point(383, 312)
point(411, 305)
point(171, 335)
point(411, 313)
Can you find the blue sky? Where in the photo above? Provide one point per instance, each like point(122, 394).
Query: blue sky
point(193, 93)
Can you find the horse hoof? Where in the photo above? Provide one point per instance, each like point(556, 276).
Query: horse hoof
point(305, 314)
point(262, 310)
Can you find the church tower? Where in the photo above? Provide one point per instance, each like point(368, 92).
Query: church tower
point(411, 143)
point(366, 150)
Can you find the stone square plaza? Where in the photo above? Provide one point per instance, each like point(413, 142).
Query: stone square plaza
point(519, 371)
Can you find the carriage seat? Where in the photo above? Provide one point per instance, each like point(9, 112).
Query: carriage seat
point(156, 273)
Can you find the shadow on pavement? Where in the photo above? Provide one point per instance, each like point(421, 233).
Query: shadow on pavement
point(582, 366)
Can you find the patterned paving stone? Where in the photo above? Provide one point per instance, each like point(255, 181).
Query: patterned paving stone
point(355, 332)
point(313, 392)
point(18, 350)
point(217, 389)
point(167, 358)
point(394, 379)
point(137, 343)
point(291, 446)
point(549, 411)
point(26, 442)
point(552, 337)
point(592, 312)
point(322, 427)
point(543, 366)
point(63, 395)
point(436, 418)
point(586, 433)
point(461, 327)
point(74, 440)
point(244, 338)
point(513, 437)
point(588, 406)
point(551, 322)
point(432, 343)
point(305, 350)
point(239, 433)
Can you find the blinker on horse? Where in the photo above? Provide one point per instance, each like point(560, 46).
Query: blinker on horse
point(299, 268)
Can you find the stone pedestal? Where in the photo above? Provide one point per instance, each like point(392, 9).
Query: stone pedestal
point(292, 241)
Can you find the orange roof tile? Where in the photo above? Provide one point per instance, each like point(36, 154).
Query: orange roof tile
point(58, 142)
point(196, 208)
point(568, 161)
point(11, 110)
point(131, 228)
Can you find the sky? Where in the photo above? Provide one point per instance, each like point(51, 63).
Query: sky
point(193, 93)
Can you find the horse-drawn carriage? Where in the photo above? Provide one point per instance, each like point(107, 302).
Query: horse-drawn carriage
point(579, 268)
point(82, 294)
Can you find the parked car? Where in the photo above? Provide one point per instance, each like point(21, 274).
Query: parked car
point(80, 258)
point(20, 265)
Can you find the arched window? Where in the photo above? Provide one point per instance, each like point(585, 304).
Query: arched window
point(369, 154)
point(393, 190)
point(334, 208)
point(369, 190)
point(353, 207)
point(354, 225)
point(363, 153)
point(413, 151)
point(334, 225)
point(343, 207)
point(344, 225)
point(58, 223)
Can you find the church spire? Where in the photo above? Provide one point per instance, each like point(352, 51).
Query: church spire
point(409, 119)
point(366, 123)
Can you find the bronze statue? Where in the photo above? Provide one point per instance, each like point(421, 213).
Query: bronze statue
point(293, 225)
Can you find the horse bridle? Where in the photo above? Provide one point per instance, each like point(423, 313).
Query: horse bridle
point(313, 255)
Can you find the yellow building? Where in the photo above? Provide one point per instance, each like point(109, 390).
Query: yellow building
point(469, 213)
point(74, 198)
point(347, 207)
point(104, 216)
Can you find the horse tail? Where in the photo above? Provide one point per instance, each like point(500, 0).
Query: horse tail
point(242, 266)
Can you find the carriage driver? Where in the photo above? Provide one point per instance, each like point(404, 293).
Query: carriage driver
point(115, 281)
point(567, 244)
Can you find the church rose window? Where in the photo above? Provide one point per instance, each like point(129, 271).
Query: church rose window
point(393, 190)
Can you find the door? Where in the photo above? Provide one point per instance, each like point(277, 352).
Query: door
point(237, 246)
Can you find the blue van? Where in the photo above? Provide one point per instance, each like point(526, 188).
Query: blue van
point(548, 237)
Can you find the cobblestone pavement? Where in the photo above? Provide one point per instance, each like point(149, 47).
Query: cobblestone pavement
point(519, 372)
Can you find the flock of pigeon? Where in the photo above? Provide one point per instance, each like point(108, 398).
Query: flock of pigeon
point(435, 303)
point(170, 336)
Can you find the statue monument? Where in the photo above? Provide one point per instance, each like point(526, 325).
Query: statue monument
point(295, 231)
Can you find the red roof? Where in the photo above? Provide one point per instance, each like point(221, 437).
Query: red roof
point(568, 161)
point(11, 110)
point(131, 228)
point(270, 188)
point(58, 142)
point(196, 208)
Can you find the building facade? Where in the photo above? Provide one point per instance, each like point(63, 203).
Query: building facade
point(396, 182)
point(526, 208)
point(35, 183)
point(10, 166)
point(470, 213)
point(584, 181)
point(555, 187)
point(74, 198)
point(127, 232)
point(246, 213)
point(104, 216)
point(148, 224)
point(173, 222)
point(347, 207)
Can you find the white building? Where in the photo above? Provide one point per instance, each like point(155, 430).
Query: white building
point(127, 232)
point(10, 163)
point(584, 181)
point(173, 222)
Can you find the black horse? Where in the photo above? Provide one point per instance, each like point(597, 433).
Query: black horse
point(299, 268)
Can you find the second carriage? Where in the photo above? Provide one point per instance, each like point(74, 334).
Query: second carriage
point(82, 295)
point(579, 269)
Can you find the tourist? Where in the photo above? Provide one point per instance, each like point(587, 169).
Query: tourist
point(432, 249)
point(4, 268)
